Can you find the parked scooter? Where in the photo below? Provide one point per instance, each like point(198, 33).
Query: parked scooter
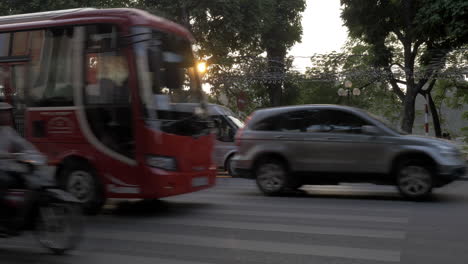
point(34, 203)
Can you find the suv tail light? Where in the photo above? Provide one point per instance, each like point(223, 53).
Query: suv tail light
point(238, 137)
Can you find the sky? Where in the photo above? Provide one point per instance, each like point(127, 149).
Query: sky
point(323, 31)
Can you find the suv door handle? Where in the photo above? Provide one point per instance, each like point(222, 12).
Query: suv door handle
point(280, 136)
point(332, 138)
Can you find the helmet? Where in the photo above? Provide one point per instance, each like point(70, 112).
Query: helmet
point(5, 106)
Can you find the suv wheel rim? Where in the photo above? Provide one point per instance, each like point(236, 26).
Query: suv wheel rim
point(415, 180)
point(271, 177)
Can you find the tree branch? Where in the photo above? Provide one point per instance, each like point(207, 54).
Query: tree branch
point(395, 88)
point(429, 87)
point(400, 81)
point(416, 46)
point(398, 64)
point(400, 36)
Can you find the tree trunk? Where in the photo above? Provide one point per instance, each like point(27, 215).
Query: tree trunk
point(408, 113)
point(435, 116)
point(185, 16)
point(276, 70)
point(275, 92)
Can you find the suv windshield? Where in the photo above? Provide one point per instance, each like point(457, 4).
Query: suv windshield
point(168, 80)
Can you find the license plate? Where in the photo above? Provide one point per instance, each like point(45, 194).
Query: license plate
point(199, 181)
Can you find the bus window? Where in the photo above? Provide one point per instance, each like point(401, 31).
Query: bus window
point(20, 46)
point(18, 82)
point(4, 44)
point(3, 82)
point(107, 94)
point(52, 71)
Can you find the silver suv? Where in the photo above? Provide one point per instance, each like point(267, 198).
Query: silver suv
point(286, 147)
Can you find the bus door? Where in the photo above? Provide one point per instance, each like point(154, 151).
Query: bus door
point(15, 53)
point(108, 109)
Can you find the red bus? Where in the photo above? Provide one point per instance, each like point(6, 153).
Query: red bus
point(103, 92)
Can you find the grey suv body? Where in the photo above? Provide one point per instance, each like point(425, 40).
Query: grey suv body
point(286, 147)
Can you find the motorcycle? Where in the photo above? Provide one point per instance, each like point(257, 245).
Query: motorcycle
point(34, 203)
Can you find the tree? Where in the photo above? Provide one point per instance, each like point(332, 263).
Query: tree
point(321, 82)
point(281, 30)
point(229, 31)
point(11, 7)
point(425, 32)
point(452, 94)
point(221, 28)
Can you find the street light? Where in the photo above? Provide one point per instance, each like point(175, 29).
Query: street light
point(347, 90)
point(201, 67)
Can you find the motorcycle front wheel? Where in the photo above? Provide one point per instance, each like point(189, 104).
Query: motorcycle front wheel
point(59, 226)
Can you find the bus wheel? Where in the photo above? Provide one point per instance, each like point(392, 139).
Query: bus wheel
point(79, 179)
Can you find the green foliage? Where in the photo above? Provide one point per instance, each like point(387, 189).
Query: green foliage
point(221, 28)
point(415, 35)
point(11, 7)
point(281, 22)
point(230, 33)
point(335, 68)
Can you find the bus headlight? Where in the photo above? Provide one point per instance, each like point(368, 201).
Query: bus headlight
point(161, 162)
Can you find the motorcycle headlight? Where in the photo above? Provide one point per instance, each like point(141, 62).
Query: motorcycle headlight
point(161, 162)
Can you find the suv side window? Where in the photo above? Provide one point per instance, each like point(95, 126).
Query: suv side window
point(294, 121)
point(338, 121)
point(268, 124)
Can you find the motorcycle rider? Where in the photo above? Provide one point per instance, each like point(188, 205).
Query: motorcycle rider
point(10, 142)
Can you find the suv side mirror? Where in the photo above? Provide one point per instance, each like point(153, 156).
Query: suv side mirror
point(370, 130)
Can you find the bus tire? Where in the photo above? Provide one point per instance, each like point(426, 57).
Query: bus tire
point(79, 179)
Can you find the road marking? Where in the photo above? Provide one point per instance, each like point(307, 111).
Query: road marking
point(84, 256)
point(342, 217)
point(305, 203)
point(205, 198)
point(268, 227)
point(126, 259)
point(338, 188)
point(252, 245)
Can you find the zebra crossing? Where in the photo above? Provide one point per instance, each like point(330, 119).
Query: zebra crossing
point(234, 223)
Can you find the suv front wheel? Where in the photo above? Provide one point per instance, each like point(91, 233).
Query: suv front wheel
point(272, 177)
point(414, 180)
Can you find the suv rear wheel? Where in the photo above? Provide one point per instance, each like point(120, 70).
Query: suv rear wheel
point(271, 176)
point(228, 165)
point(414, 180)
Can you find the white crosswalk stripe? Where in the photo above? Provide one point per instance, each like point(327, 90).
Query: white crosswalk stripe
point(263, 246)
point(211, 227)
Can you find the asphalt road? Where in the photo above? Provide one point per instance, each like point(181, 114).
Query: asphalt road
point(234, 223)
